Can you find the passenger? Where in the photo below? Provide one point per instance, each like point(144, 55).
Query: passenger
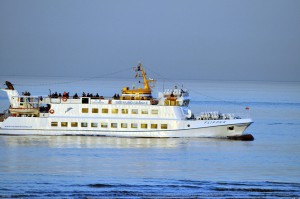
point(83, 94)
point(75, 96)
point(97, 95)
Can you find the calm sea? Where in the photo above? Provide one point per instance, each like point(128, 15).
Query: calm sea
point(109, 167)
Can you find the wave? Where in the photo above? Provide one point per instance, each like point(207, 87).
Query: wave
point(157, 188)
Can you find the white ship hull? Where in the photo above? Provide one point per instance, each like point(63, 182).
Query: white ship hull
point(198, 128)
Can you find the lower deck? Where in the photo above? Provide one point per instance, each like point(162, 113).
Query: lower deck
point(125, 127)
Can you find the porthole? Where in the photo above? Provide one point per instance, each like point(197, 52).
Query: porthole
point(188, 125)
point(231, 128)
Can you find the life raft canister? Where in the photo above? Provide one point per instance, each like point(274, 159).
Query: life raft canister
point(51, 111)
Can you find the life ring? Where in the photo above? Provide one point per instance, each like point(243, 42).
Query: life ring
point(64, 99)
point(51, 111)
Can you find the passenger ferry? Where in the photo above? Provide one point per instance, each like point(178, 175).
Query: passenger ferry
point(133, 113)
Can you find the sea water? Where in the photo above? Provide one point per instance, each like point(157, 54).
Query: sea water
point(110, 167)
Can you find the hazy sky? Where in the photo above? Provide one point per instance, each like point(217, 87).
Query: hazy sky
point(210, 39)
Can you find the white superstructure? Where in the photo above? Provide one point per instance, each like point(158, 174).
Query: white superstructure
point(135, 113)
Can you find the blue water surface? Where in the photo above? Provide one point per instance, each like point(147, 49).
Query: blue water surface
point(110, 167)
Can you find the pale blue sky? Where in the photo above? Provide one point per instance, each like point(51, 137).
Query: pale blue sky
point(213, 39)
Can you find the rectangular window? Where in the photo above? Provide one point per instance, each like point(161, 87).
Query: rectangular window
point(114, 111)
point(95, 110)
point(153, 126)
point(134, 125)
point(74, 124)
point(134, 111)
point(144, 111)
point(164, 126)
point(123, 125)
point(64, 124)
point(84, 124)
point(104, 125)
point(85, 100)
point(54, 124)
point(124, 111)
point(105, 110)
point(113, 125)
point(85, 110)
point(154, 111)
point(167, 102)
point(144, 126)
point(94, 125)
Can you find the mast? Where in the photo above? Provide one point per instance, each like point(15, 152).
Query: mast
point(144, 75)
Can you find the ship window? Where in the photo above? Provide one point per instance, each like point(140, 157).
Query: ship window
point(164, 126)
point(95, 110)
point(124, 111)
point(154, 112)
point(104, 125)
point(144, 111)
point(153, 126)
point(113, 125)
point(85, 100)
point(173, 103)
point(123, 125)
point(74, 124)
point(134, 111)
point(94, 124)
point(231, 128)
point(105, 110)
point(85, 110)
point(84, 124)
point(167, 102)
point(64, 124)
point(114, 111)
point(54, 124)
point(134, 125)
point(144, 126)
